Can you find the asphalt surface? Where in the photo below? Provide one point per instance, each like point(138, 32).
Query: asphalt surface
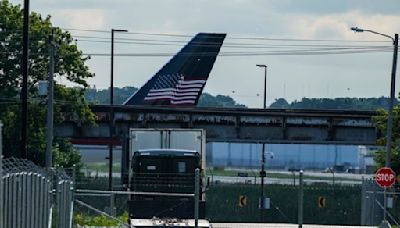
point(286, 181)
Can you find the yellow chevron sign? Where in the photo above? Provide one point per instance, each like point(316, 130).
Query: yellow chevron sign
point(321, 202)
point(242, 201)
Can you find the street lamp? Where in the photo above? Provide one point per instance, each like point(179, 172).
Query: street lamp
point(262, 172)
point(111, 124)
point(395, 40)
point(392, 88)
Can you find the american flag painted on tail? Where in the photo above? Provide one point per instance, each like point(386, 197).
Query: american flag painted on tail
point(176, 89)
point(182, 79)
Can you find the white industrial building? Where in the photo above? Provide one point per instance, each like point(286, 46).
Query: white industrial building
point(350, 158)
point(311, 157)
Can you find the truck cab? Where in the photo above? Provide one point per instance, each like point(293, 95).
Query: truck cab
point(161, 176)
point(164, 171)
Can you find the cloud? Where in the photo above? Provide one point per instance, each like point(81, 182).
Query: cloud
point(318, 7)
point(81, 18)
point(337, 26)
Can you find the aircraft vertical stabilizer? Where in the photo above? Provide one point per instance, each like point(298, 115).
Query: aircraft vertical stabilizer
point(181, 81)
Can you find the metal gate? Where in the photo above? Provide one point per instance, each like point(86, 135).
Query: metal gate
point(27, 200)
point(65, 203)
point(33, 197)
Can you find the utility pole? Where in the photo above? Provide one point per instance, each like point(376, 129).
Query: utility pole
point(24, 89)
point(111, 123)
point(50, 103)
point(392, 97)
point(262, 172)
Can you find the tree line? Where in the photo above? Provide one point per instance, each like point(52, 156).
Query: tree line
point(370, 104)
point(102, 96)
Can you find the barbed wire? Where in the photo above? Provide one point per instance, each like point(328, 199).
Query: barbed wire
point(14, 165)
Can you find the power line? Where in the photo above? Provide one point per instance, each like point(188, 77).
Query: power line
point(230, 37)
point(190, 36)
point(225, 45)
point(239, 54)
point(315, 51)
point(279, 49)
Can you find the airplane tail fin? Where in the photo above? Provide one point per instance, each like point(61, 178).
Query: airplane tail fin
point(182, 79)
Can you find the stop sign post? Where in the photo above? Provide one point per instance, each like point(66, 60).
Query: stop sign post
point(385, 177)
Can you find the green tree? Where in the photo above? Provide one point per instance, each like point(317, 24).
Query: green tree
point(208, 100)
point(70, 65)
point(102, 96)
point(381, 123)
point(280, 103)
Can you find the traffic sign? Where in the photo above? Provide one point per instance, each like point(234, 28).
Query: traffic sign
point(385, 177)
point(242, 201)
point(321, 202)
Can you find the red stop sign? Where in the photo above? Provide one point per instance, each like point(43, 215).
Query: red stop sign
point(385, 177)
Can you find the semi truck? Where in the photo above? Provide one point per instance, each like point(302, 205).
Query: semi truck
point(158, 167)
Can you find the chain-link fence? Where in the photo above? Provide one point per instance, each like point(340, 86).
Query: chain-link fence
point(372, 203)
point(35, 197)
point(233, 196)
point(322, 204)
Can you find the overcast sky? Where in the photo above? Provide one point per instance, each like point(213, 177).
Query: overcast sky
point(313, 23)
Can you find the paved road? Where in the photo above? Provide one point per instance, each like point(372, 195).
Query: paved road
point(269, 180)
point(277, 225)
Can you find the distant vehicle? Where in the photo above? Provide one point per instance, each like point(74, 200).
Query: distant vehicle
point(355, 170)
point(180, 82)
point(336, 169)
point(164, 161)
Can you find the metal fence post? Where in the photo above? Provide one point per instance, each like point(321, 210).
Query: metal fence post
point(1, 176)
point(14, 199)
point(71, 203)
point(300, 205)
point(196, 197)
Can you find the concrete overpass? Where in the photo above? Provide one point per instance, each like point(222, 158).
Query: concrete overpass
point(233, 125)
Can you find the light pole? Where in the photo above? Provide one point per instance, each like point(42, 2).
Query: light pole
point(395, 40)
point(111, 124)
point(262, 172)
point(392, 89)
